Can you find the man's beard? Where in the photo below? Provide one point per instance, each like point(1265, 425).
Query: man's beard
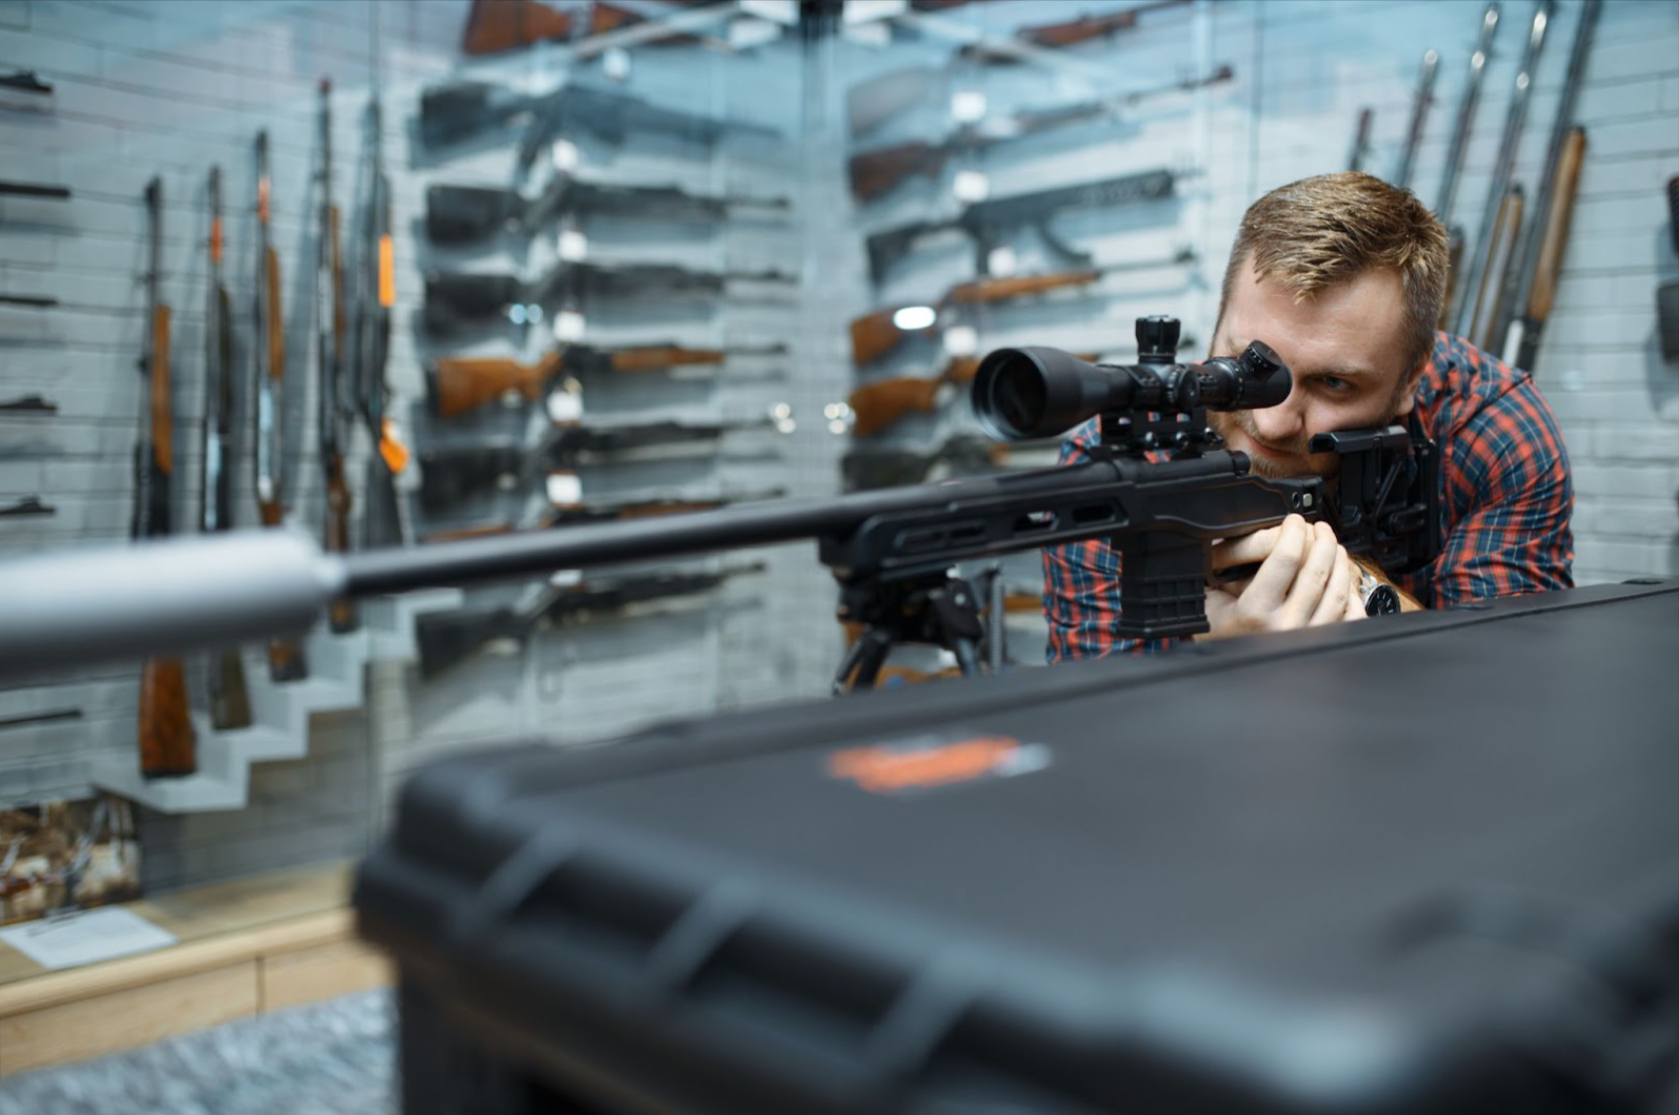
point(1300, 462)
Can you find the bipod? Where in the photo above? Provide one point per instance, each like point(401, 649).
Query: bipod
point(938, 608)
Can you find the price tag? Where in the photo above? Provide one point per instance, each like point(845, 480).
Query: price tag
point(565, 408)
point(566, 578)
point(1001, 262)
point(967, 106)
point(615, 63)
point(568, 326)
point(961, 340)
point(565, 155)
point(970, 186)
point(565, 489)
point(571, 245)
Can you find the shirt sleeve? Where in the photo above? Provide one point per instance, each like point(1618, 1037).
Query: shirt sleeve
point(1081, 589)
point(1511, 471)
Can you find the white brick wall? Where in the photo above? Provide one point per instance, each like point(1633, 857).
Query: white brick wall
point(172, 86)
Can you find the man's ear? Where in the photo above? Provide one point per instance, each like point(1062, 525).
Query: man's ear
point(1408, 389)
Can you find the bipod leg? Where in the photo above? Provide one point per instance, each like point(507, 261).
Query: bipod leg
point(862, 663)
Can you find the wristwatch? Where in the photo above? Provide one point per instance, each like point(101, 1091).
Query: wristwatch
point(1379, 597)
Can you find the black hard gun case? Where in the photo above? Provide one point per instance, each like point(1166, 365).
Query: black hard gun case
point(1424, 863)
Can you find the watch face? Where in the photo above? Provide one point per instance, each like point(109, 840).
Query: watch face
point(1382, 601)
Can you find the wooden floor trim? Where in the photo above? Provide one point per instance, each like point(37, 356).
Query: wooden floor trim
point(58, 988)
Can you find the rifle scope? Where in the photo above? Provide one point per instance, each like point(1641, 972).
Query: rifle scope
point(1039, 392)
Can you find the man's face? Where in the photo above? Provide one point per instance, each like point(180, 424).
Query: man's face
point(1346, 348)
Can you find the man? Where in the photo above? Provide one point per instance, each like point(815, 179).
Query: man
point(1344, 276)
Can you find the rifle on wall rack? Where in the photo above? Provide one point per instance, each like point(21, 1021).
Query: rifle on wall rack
point(25, 81)
point(457, 301)
point(987, 222)
point(456, 112)
point(874, 174)
point(375, 294)
point(498, 26)
point(27, 507)
point(1500, 246)
point(1526, 303)
point(31, 189)
point(230, 703)
point(452, 475)
point(332, 420)
point(168, 747)
point(28, 404)
point(268, 365)
point(877, 333)
point(1455, 155)
point(871, 103)
point(465, 214)
point(1361, 139)
point(1503, 168)
point(446, 639)
point(456, 385)
point(571, 513)
point(1421, 102)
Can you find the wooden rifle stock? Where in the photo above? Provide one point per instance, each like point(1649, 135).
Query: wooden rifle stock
point(167, 745)
point(1084, 29)
point(458, 384)
point(464, 383)
point(877, 173)
point(875, 334)
point(1502, 238)
point(1549, 265)
point(658, 358)
point(494, 26)
point(285, 656)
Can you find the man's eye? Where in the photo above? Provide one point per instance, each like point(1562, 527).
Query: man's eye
point(1335, 384)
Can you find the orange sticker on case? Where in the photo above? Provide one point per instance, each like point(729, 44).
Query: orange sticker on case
point(923, 765)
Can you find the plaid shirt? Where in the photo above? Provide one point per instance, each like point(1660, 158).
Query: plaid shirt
point(1506, 500)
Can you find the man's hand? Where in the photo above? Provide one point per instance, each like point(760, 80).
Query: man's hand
point(1305, 579)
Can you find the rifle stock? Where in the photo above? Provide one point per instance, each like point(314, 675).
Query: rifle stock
point(1500, 242)
point(459, 384)
point(285, 655)
point(495, 26)
point(329, 365)
point(1086, 28)
point(230, 703)
point(168, 748)
point(1524, 342)
point(875, 334)
point(876, 173)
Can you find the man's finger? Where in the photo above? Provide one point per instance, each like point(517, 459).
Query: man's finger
point(1312, 578)
point(1246, 550)
point(1333, 607)
point(1270, 586)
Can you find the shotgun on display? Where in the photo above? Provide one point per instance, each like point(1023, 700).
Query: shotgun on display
point(168, 745)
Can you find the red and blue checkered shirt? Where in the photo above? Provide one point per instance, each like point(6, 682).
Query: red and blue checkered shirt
point(1506, 501)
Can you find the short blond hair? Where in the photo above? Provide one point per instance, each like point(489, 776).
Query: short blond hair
point(1315, 233)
